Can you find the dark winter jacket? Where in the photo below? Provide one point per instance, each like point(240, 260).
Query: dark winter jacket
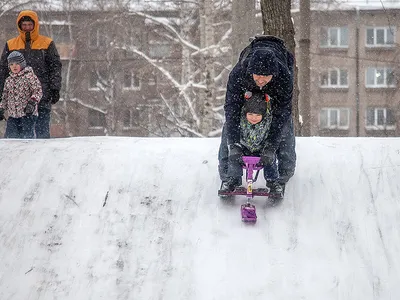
point(40, 53)
point(280, 88)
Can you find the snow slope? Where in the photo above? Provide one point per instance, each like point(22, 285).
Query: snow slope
point(138, 218)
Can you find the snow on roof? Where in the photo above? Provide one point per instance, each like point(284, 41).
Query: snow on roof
point(354, 5)
point(91, 5)
point(163, 20)
point(56, 22)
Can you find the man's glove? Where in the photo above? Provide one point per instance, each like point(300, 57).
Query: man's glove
point(54, 96)
point(2, 114)
point(236, 153)
point(30, 108)
point(267, 156)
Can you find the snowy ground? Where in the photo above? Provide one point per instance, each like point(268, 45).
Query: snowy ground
point(136, 218)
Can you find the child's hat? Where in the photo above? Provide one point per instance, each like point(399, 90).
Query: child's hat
point(256, 103)
point(17, 57)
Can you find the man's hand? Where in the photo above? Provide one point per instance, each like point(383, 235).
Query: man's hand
point(54, 96)
point(235, 153)
point(268, 156)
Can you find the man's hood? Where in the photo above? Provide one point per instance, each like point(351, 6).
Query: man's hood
point(263, 62)
point(35, 18)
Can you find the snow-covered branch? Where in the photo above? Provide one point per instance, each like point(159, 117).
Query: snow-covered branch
point(87, 105)
point(168, 75)
point(164, 22)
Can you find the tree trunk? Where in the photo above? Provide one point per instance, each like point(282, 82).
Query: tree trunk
point(304, 67)
point(244, 25)
point(277, 21)
point(207, 64)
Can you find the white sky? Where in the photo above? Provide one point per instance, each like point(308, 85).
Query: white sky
point(139, 218)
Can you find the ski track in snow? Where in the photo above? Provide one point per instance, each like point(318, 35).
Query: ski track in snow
point(133, 218)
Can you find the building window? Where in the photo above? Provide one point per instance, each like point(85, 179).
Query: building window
point(380, 119)
point(151, 79)
point(131, 80)
point(96, 119)
point(334, 78)
point(380, 36)
point(132, 37)
point(95, 80)
point(60, 34)
point(334, 37)
point(380, 77)
point(132, 40)
point(159, 49)
point(97, 39)
point(130, 118)
point(334, 118)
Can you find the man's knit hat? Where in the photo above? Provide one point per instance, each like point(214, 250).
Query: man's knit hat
point(263, 62)
point(17, 57)
point(256, 103)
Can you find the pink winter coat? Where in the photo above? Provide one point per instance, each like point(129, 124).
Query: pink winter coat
point(18, 90)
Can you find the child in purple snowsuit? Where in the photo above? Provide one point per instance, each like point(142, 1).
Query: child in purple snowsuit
point(21, 95)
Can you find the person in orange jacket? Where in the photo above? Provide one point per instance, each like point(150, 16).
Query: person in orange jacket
point(41, 54)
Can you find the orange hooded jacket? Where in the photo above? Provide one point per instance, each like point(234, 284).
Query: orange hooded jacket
point(40, 53)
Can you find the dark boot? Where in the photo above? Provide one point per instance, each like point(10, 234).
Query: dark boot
point(275, 189)
point(284, 176)
point(231, 184)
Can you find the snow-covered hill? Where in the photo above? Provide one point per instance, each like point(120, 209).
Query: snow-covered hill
point(138, 218)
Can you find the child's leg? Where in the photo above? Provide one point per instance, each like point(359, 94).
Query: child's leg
point(235, 170)
point(27, 127)
point(271, 172)
point(13, 128)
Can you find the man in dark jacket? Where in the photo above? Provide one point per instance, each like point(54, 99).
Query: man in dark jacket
point(267, 66)
point(41, 54)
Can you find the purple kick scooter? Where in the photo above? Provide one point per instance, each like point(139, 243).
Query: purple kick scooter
point(248, 210)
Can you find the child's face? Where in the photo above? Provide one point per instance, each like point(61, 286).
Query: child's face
point(14, 67)
point(253, 118)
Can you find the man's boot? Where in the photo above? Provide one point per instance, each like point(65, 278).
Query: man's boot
point(230, 184)
point(275, 189)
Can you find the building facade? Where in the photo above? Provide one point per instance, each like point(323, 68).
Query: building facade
point(117, 71)
point(354, 64)
point(110, 89)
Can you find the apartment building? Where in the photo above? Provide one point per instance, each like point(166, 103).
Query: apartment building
point(354, 60)
point(108, 88)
